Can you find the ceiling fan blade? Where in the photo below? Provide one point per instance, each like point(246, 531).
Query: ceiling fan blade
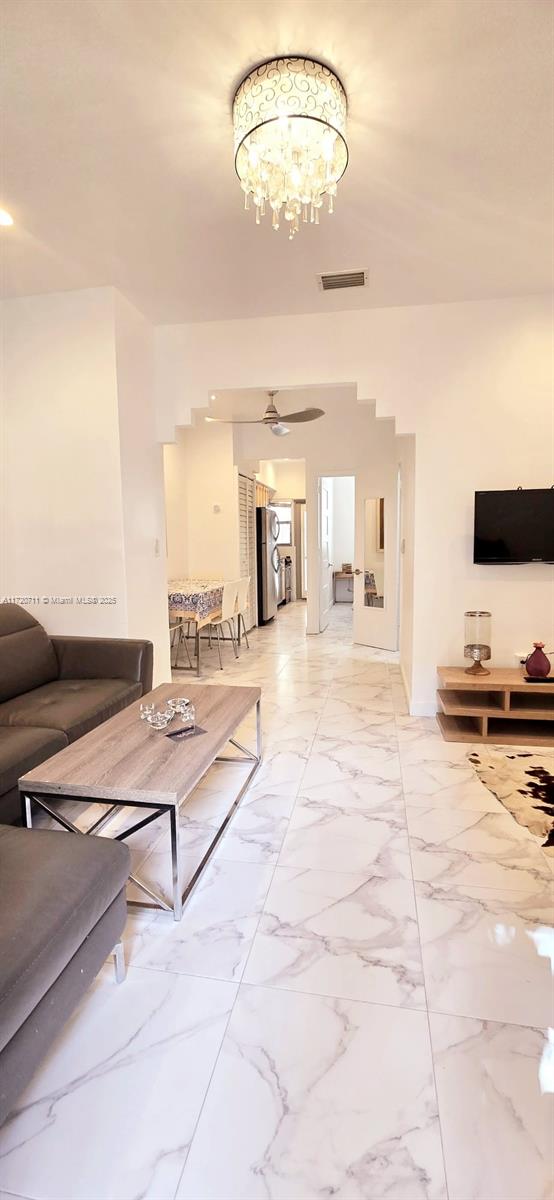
point(279, 429)
point(307, 414)
point(229, 421)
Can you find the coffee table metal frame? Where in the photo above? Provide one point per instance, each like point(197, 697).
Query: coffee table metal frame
point(180, 894)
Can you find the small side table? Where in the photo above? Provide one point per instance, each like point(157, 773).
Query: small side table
point(348, 575)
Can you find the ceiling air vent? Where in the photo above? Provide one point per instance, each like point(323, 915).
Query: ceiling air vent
point(344, 279)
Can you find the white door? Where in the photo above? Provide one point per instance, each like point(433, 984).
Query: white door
point(376, 560)
point(325, 565)
point(304, 550)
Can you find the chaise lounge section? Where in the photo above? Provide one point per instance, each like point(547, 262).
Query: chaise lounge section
point(62, 899)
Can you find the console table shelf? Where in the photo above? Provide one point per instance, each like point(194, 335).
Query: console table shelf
point(499, 707)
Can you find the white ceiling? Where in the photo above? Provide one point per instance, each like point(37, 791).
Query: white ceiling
point(118, 157)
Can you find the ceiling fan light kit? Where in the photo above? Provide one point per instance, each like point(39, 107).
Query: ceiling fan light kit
point(289, 120)
point(272, 418)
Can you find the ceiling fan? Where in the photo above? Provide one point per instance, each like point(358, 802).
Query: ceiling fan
point(273, 419)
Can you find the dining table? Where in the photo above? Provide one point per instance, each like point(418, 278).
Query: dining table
point(198, 601)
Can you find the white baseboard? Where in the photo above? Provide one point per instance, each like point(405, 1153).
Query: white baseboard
point(422, 708)
point(417, 708)
point(405, 682)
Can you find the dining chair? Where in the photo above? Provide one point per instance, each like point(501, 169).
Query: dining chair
point(228, 612)
point(242, 605)
point(177, 638)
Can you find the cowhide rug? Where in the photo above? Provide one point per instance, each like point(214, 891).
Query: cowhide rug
point(524, 783)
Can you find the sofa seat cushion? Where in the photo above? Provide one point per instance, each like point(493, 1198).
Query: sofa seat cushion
point(73, 705)
point(54, 888)
point(21, 749)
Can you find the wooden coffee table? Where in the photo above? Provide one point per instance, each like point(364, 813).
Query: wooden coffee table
point(126, 764)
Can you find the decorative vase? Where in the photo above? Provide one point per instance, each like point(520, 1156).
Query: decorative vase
point(537, 664)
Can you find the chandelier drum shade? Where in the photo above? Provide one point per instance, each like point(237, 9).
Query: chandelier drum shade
point(289, 118)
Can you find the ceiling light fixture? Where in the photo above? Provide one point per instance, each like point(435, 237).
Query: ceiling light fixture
point(289, 118)
point(5, 218)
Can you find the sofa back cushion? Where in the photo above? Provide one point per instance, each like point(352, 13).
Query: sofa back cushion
point(27, 656)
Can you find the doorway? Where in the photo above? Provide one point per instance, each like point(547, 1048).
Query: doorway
point(336, 495)
point(358, 554)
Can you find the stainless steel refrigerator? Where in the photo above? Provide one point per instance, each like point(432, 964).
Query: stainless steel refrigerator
point(267, 532)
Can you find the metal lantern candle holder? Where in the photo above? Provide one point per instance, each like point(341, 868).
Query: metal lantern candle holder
point(477, 639)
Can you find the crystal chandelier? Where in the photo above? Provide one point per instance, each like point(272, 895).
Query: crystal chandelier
point(289, 118)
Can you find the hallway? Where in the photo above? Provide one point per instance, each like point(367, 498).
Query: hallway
point(353, 1003)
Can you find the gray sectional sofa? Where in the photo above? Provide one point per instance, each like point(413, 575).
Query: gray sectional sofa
point(62, 895)
point(55, 689)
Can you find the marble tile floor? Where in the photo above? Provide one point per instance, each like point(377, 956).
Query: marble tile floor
point(357, 1002)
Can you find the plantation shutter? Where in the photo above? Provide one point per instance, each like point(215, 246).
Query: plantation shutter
point(247, 541)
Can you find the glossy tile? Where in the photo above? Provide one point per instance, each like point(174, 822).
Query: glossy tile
point(329, 837)
point(453, 797)
point(283, 766)
point(316, 1097)
point(438, 773)
point(485, 952)
point(324, 1084)
point(219, 920)
point(288, 691)
point(343, 720)
point(379, 799)
point(257, 831)
point(284, 724)
point(482, 849)
point(366, 695)
point(138, 920)
point(111, 1112)
point(373, 744)
point(339, 934)
point(494, 1085)
point(341, 760)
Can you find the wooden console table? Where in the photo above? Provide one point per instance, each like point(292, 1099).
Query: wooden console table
point(500, 707)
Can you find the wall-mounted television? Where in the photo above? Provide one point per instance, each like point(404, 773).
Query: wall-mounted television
point(514, 527)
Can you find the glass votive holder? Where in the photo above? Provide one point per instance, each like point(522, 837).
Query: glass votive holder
point(160, 718)
point(146, 710)
point(477, 640)
point(188, 716)
point(178, 703)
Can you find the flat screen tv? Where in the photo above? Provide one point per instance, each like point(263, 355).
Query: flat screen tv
point(514, 527)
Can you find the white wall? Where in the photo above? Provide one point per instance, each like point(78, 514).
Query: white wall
point(406, 448)
point(288, 477)
point(82, 496)
point(342, 549)
point(474, 382)
point(200, 477)
point(142, 485)
point(265, 473)
point(63, 518)
point(175, 488)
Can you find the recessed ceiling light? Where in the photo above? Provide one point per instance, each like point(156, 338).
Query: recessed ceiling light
point(5, 218)
point(212, 397)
